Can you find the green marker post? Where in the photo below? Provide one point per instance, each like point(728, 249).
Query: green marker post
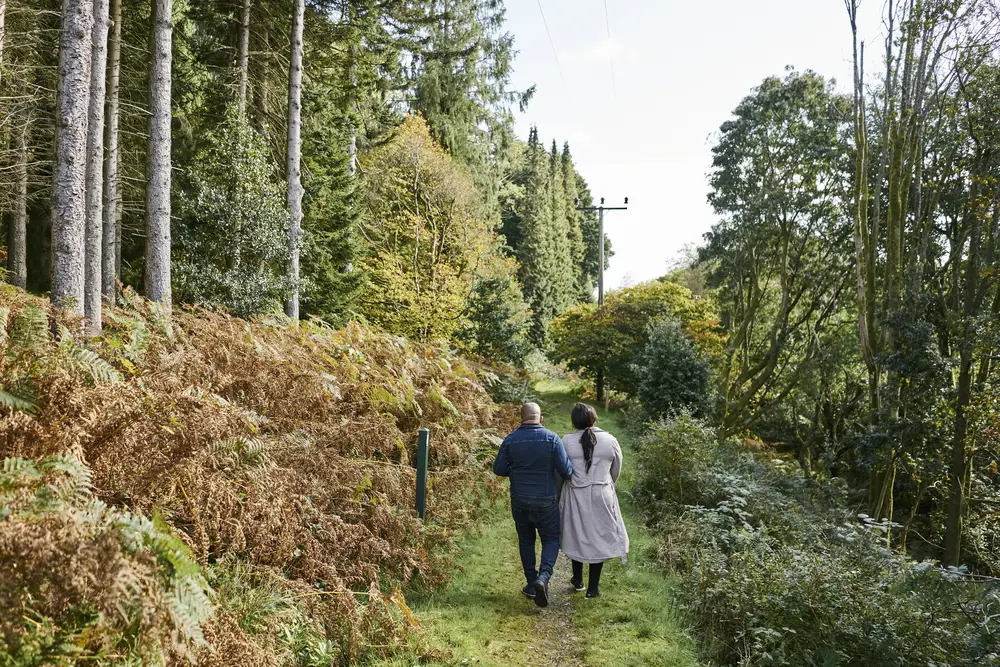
point(423, 447)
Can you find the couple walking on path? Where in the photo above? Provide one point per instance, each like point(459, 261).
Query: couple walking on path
point(585, 518)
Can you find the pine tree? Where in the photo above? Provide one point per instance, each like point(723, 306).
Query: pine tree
point(159, 159)
point(535, 251)
point(574, 220)
point(563, 270)
point(69, 189)
point(462, 86)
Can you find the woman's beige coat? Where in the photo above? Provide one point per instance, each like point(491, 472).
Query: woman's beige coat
point(592, 526)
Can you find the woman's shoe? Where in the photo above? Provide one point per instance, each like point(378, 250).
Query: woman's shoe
point(529, 591)
point(577, 585)
point(592, 594)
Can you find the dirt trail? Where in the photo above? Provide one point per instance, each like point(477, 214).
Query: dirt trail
point(558, 640)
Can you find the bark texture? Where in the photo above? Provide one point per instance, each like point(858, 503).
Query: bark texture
point(70, 178)
point(157, 270)
point(93, 240)
point(112, 195)
point(244, 58)
point(295, 159)
point(17, 248)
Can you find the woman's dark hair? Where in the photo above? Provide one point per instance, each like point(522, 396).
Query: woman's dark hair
point(584, 417)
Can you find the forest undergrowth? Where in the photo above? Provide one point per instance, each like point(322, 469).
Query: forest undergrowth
point(204, 489)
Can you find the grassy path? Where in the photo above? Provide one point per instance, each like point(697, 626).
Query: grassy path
point(481, 618)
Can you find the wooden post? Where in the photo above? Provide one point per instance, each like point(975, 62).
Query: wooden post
point(423, 447)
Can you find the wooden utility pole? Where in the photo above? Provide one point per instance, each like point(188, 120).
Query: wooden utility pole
point(600, 268)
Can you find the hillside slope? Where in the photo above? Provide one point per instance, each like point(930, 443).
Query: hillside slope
point(243, 490)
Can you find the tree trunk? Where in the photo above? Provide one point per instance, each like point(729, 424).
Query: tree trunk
point(244, 58)
point(157, 273)
point(957, 464)
point(95, 170)
point(295, 159)
point(17, 251)
point(3, 30)
point(69, 195)
point(112, 197)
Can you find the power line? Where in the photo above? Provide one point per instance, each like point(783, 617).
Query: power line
point(611, 50)
point(551, 43)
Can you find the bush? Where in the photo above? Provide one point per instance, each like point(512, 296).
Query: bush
point(80, 580)
point(496, 321)
point(671, 374)
point(785, 574)
point(231, 250)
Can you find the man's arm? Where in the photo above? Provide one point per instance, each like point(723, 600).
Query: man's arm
point(563, 466)
point(501, 465)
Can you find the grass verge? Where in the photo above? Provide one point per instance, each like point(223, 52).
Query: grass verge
point(480, 618)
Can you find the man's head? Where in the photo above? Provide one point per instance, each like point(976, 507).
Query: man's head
point(531, 413)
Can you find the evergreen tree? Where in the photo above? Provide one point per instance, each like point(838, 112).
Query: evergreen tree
point(535, 251)
point(564, 273)
point(462, 87)
point(574, 219)
point(590, 231)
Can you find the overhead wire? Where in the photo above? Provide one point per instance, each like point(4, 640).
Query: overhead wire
point(611, 50)
point(551, 43)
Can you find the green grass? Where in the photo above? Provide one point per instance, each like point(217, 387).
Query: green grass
point(481, 618)
point(637, 620)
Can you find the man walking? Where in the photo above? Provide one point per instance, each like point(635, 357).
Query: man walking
point(531, 456)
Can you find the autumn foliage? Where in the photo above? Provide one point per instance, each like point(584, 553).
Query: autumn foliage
point(278, 458)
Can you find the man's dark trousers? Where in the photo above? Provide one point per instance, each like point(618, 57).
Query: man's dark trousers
point(541, 515)
point(532, 456)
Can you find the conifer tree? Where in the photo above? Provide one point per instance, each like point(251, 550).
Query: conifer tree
point(574, 218)
point(535, 252)
point(564, 273)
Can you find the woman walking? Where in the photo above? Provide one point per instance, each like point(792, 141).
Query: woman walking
point(592, 526)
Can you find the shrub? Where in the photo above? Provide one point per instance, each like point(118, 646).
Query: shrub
point(285, 449)
point(231, 248)
point(671, 375)
point(784, 573)
point(80, 580)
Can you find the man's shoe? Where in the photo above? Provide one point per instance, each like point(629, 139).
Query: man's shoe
point(577, 585)
point(542, 591)
point(529, 591)
point(592, 594)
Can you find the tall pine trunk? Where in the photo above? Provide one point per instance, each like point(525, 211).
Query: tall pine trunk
point(244, 58)
point(17, 258)
point(295, 159)
point(112, 196)
point(95, 170)
point(69, 213)
point(157, 272)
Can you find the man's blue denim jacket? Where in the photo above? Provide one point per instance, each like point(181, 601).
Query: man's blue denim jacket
point(531, 456)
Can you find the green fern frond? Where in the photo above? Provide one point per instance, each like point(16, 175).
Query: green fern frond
point(30, 331)
point(138, 343)
point(16, 403)
point(88, 361)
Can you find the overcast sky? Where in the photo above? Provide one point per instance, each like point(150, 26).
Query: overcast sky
point(680, 68)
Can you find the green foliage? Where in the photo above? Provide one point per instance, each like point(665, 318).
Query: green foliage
point(89, 581)
point(427, 240)
point(497, 319)
point(780, 253)
point(231, 244)
point(784, 574)
point(543, 230)
point(671, 375)
point(613, 338)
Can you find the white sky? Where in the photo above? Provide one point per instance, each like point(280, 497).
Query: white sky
point(680, 67)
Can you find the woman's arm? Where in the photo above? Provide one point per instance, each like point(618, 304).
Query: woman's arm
point(616, 463)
